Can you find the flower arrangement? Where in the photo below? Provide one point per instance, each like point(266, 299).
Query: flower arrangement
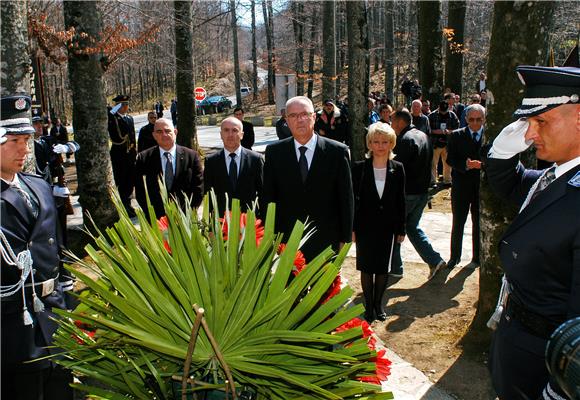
point(203, 304)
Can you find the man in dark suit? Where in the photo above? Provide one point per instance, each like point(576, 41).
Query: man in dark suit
point(463, 156)
point(308, 177)
point(249, 136)
point(145, 140)
point(540, 251)
point(59, 132)
point(30, 292)
point(233, 171)
point(179, 167)
point(414, 151)
point(123, 152)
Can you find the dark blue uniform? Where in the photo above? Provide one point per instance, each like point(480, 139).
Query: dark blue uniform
point(123, 154)
point(540, 254)
point(22, 342)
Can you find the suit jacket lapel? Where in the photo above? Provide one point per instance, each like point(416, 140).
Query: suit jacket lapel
point(552, 193)
point(179, 161)
point(317, 160)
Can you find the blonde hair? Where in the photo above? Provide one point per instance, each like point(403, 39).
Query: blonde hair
point(381, 128)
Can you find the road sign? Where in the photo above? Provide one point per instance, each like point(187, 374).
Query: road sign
point(200, 93)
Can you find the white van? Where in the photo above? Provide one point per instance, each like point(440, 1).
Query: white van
point(245, 90)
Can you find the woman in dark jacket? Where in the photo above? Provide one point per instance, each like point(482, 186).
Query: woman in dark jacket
point(379, 219)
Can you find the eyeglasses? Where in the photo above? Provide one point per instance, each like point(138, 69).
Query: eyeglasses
point(302, 115)
point(475, 119)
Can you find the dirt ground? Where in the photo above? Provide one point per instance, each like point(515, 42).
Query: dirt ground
point(428, 320)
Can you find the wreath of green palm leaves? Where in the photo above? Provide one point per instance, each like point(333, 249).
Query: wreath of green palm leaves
point(272, 332)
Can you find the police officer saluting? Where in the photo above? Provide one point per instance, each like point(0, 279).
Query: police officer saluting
point(32, 282)
point(123, 149)
point(540, 251)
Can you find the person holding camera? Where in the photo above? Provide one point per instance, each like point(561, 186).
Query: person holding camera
point(442, 121)
point(540, 251)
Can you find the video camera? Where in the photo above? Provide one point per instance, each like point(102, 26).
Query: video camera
point(563, 357)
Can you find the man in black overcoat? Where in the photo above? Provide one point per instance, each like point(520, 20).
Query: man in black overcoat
point(540, 250)
point(123, 149)
point(234, 170)
point(249, 135)
point(30, 292)
point(463, 156)
point(308, 177)
point(179, 168)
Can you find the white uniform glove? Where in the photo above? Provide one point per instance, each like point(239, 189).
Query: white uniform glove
point(511, 140)
point(60, 149)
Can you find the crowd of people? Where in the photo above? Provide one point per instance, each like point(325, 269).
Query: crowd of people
point(376, 203)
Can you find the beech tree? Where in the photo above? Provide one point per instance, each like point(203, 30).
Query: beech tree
point(15, 66)
point(454, 49)
point(358, 76)
point(430, 61)
point(85, 66)
point(184, 67)
point(234, 23)
point(329, 52)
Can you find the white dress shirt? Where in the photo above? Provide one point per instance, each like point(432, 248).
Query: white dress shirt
point(228, 159)
point(310, 146)
point(171, 151)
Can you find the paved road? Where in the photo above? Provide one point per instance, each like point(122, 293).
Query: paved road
point(209, 136)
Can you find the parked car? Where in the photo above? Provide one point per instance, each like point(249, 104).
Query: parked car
point(213, 104)
point(245, 90)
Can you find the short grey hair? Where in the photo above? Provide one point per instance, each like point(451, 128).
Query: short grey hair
point(300, 99)
point(474, 107)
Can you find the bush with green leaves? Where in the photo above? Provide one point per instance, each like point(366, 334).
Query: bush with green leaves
point(273, 331)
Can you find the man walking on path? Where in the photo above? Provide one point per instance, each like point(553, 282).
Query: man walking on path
point(414, 151)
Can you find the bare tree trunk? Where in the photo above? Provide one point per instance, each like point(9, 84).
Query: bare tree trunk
point(329, 52)
point(389, 50)
point(269, 46)
point(15, 66)
point(313, 22)
point(298, 25)
point(254, 52)
point(358, 76)
point(454, 49)
point(142, 89)
point(430, 61)
point(234, 25)
point(519, 36)
point(184, 84)
point(89, 115)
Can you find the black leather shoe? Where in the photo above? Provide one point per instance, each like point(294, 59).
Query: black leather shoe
point(382, 316)
point(369, 317)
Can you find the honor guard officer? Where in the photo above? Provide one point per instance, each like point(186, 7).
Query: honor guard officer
point(123, 150)
point(540, 251)
point(32, 282)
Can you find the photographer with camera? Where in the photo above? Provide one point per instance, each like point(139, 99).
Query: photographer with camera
point(540, 251)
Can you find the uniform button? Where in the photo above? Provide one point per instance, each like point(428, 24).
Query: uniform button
point(54, 293)
point(50, 241)
point(30, 244)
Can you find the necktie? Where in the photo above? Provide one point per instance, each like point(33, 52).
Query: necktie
point(168, 170)
point(303, 163)
point(544, 181)
point(27, 199)
point(233, 170)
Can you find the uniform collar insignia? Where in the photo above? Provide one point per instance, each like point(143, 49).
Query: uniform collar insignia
point(575, 180)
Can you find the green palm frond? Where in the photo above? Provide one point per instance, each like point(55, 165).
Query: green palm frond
point(274, 332)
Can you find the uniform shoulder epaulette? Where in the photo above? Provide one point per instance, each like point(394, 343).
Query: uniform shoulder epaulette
point(575, 180)
point(32, 175)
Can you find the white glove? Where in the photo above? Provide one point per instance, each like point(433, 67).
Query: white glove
point(60, 149)
point(60, 191)
point(511, 140)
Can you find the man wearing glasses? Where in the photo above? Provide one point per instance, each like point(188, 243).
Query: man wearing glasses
point(463, 156)
point(308, 177)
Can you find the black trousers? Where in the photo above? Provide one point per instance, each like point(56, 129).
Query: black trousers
point(123, 164)
point(517, 362)
point(464, 200)
point(51, 383)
